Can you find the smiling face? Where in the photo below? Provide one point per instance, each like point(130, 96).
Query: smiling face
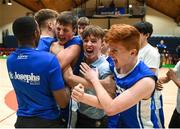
point(64, 33)
point(92, 48)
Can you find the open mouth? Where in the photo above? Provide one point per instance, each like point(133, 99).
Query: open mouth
point(62, 41)
point(89, 52)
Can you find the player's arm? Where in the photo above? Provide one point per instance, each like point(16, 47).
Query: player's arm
point(62, 97)
point(67, 55)
point(143, 89)
point(121, 103)
point(73, 80)
point(56, 48)
point(56, 83)
point(172, 76)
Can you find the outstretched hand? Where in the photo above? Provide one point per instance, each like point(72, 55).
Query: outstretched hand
point(78, 93)
point(89, 73)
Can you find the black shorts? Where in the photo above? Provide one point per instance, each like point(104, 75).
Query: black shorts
point(85, 122)
point(36, 122)
point(175, 120)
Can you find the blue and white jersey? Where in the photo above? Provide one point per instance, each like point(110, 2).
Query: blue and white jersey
point(34, 75)
point(44, 43)
point(111, 63)
point(76, 40)
point(138, 116)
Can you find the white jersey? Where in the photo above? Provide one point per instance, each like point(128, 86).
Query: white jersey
point(177, 70)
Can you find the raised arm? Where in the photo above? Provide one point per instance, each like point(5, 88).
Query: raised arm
point(79, 95)
point(141, 90)
point(68, 55)
point(73, 80)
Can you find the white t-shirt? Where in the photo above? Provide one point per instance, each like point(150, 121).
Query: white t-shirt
point(151, 57)
point(177, 70)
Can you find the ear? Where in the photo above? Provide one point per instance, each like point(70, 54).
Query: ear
point(133, 52)
point(49, 24)
point(74, 31)
point(147, 35)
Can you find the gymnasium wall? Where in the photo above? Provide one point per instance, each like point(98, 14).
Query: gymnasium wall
point(8, 14)
point(163, 25)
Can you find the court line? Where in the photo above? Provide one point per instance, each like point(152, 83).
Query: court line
point(7, 117)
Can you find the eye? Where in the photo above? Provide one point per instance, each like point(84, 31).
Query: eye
point(85, 40)
point(94, 41)
point(58, 29)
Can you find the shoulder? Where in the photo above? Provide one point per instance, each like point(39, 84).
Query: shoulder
point(43, 56)
point(76, 40)
point(103, 67)
point(152, 52)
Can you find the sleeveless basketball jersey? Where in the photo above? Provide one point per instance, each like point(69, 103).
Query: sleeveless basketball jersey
point(45, 43)
point(138, 116)
point(34, 75)
point(76, 41)
point(111, 63)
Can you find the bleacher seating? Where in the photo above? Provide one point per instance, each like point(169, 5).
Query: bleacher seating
point(6, 51)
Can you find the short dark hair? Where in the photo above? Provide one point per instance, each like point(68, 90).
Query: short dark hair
point(96, 31)
point(144, 27)
point(83, 21)
point(45, 14)
point(67, 18)
point(24, 28)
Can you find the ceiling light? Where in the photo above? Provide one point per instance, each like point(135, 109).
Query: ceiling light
point(9, 2)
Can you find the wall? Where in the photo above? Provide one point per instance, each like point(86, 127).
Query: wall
point(162, 24)
point(8, 14)
point(106, 23)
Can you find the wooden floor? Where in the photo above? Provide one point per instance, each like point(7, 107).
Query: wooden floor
point(8, 103)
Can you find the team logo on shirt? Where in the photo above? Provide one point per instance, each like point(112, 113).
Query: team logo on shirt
point(27, 78)
point(21, 56)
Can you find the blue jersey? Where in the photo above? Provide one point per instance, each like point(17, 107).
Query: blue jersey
point(34, 75)
point(76, 41)
point(112, 120)
point(138, 116)
point(45, 43)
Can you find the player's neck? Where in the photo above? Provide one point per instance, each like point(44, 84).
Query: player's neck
point(45, 33)
point(128, 67)
point(144, 44)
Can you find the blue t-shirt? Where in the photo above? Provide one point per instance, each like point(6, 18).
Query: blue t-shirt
point(76, 41)
point(34, 75)
point(138, 116)
point(45, 43)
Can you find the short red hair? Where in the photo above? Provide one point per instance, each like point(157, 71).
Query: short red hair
point(127, 35)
